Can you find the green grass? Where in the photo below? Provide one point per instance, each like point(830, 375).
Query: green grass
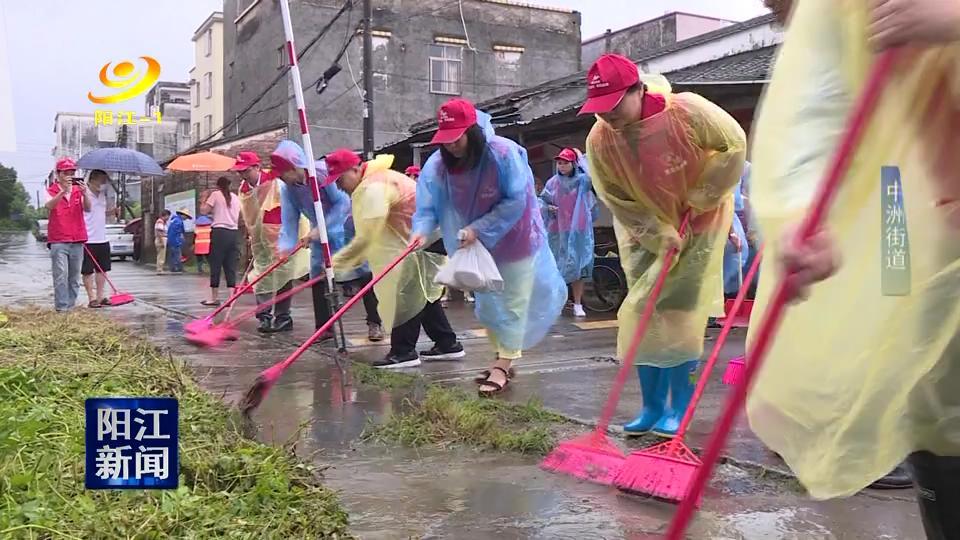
point(366, 375)
point(452, 416)
point(230, 486)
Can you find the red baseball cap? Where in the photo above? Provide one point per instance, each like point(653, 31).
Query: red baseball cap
point(245, 160)
point(66, 164)
point(454, 118)
point(339, 162)
point(413, 169)
point(567, 154)
point(608, 80)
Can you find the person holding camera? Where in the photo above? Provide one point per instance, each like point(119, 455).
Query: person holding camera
point(66, 233)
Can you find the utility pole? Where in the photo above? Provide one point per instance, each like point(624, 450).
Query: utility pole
point(368, 143)
point(122, 191)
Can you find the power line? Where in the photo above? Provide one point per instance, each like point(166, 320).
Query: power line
point(347, 5)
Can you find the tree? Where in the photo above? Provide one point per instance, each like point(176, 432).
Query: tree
point(15, 210)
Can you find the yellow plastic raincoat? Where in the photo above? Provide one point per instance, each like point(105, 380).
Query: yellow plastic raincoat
point(260, 207)
point(868, 369)
point(383, 207)
point(649, 173)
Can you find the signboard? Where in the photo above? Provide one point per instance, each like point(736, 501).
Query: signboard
point(178, 201)
point(131, 443)
point(895, 242)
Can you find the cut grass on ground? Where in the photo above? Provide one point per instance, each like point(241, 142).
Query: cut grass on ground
point(452, 416)
point(230, 487)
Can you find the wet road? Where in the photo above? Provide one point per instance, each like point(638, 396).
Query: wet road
point(459, 493)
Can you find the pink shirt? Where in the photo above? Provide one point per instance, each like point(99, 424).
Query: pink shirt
point(225, 216)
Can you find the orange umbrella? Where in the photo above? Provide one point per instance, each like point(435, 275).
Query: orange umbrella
point(202, 162)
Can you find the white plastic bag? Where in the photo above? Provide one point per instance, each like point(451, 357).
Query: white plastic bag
point(471, 268)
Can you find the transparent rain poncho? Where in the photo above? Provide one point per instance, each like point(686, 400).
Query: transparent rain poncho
point(734, 262)
point(497, 199)
point(260, 207)
point(569, 209)
point(689, 156)
point(383, 207)
point(868, 369)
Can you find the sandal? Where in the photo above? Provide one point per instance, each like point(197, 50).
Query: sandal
point(93, 304)
point(497, 387)
point(209, 303)
point(105, 302)
point(485, 374)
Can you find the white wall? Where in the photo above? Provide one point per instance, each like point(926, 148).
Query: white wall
point(749, 39)
point(213, 64)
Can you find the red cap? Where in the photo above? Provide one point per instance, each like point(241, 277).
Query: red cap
point(245, 160)
point(453, 120)
point(339, 162)
point(66, 164)
point(567, 154)
point(413, 169)
point(608, 80)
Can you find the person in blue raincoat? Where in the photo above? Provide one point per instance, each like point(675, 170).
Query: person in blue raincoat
point(479, 188)
point(736, 252)
point(569, 209)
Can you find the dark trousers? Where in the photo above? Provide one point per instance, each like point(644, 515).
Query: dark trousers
point(403, 338)
point(370, 302)
point(938, 492)
point(281, 309)
point(321, 304)
point(224, 254)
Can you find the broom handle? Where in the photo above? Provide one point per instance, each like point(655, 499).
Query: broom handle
point(238, 292)
point(715, 353)
point(346, 306)
point(242, 287)
point(95, 263)
point(608, 409)
point(771, 320)
point(276, 299)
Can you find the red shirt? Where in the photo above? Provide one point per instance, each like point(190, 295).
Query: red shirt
point(66, 223)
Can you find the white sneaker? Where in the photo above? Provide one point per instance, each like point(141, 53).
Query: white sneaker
point(578, 311)
point(468, 298)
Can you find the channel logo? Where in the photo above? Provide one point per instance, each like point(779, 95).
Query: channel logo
point(126, 77)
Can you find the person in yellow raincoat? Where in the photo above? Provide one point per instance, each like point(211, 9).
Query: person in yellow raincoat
point(866, 371)
point(655, 157)
point(260, 207)
point(383, 205)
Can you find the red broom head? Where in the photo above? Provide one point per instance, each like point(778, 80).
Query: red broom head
point(664, 471)
point(120, 299)
point(212, 337)
point(198, 325)
point(261, 387)
point(591, 457)
point(734, 372)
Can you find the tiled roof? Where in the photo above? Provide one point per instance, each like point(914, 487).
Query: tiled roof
point(743, 67)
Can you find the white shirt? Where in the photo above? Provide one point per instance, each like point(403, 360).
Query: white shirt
point(96, 218)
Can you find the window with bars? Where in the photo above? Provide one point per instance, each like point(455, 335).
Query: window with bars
point(145, 134)
point(207, 125)
point(446, 65)
point(106, 133)
point(195, 90)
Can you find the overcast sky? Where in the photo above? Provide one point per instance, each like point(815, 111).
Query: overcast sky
point(56, 48)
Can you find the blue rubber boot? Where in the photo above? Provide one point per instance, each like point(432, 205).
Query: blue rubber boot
point(681, 391)
point(654, 384)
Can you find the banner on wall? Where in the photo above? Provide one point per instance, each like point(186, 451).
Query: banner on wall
point(178, 201)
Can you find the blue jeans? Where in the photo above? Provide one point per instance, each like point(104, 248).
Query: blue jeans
point(65, 260)
point(174, 262)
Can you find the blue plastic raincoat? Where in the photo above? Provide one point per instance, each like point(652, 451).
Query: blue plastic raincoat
point(296, 200)
point(497, 199)
point(735, 262)
point(569, 208)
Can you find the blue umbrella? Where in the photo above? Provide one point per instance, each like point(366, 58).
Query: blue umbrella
point(120, 160)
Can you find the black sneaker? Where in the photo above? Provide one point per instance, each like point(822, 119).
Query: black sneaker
point(450, 353)
point(898, 478)
point(266, 324)
point(325, 338)
point(393, 361)
point(283, 323)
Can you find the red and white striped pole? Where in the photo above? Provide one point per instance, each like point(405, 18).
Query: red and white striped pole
point(305, 132)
